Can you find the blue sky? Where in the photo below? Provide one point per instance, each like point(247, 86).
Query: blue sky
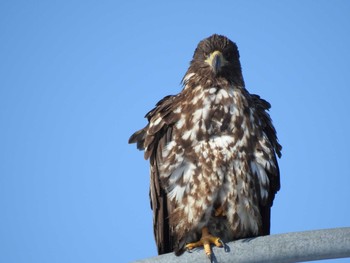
point(77, 77)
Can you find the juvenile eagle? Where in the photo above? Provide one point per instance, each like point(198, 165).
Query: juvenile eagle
point(212, 151)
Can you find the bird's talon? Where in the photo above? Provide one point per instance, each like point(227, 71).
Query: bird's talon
point(188, 250)
point(205, 242)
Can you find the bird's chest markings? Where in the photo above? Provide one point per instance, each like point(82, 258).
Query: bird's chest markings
point(212, 112)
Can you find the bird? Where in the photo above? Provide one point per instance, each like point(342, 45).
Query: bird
point(213, 156)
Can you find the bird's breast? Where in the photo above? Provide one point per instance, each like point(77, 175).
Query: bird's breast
point(212, 112)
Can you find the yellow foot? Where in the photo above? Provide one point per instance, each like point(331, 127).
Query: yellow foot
point(205, 242)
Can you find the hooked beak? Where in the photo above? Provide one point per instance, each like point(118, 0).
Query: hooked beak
point(216, 60)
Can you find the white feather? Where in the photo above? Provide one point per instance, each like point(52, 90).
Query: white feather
point(176, 190)
point(180, 122)
point(263, 179)
point(187, 77)
point(155, 121)
point(212, 90)
point(177, 110)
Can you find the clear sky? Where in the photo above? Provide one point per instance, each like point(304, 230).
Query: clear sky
point(77, 77)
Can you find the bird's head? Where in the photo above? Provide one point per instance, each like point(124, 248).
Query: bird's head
point(216, 57)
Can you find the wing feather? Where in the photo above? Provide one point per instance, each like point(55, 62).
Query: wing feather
point(267, 149)
point(153, 138)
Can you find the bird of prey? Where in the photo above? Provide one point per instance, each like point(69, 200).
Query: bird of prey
point(212, 151)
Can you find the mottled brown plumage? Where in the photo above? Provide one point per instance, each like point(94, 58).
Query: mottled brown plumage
point(212, 147)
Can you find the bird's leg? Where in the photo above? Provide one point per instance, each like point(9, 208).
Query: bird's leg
point(205, 241)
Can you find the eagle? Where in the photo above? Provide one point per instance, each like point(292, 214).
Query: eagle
point(213, 156)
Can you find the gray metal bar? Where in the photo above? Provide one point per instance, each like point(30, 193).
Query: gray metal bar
point(282, 248)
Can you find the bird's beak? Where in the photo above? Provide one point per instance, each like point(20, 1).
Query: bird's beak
point(216, 60)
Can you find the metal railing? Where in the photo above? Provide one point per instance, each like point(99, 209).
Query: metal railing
point(282, 248)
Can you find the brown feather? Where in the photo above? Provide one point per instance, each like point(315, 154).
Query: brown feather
point(211, 146)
